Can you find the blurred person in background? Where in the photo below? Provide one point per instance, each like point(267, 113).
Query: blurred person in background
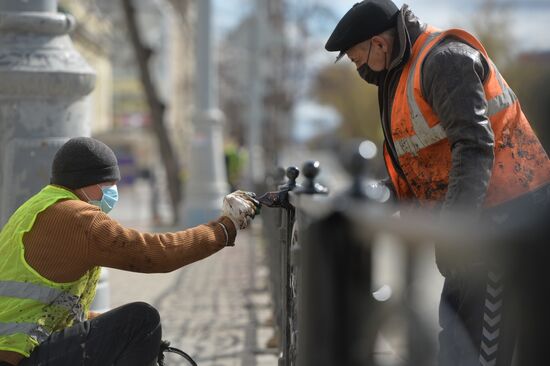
point(456, 139)
point(53, 247)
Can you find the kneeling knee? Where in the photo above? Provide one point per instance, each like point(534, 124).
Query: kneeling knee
point(144, 313)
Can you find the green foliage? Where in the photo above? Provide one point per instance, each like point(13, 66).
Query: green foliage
point(491, 27)
point(235, 159)
point(528, 75)
point(530, 79)
point(340, 87)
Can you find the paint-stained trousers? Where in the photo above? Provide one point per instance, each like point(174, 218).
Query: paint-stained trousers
point(126, 336)
point(493, 311)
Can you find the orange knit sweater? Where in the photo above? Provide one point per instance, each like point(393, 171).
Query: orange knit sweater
point(72, 236)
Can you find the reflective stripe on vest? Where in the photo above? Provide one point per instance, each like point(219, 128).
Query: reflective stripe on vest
point(32, 306)
point(44, 294)
point(35, 331)
point(502, 101)
point(424, 134)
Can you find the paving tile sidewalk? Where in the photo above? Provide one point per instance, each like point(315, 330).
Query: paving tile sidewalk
point(213, 309)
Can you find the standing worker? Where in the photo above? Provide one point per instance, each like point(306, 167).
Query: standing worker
point(455, 139)
point(52, 249)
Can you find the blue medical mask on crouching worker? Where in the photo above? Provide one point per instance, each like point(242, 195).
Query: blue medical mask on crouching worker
point(108, 200)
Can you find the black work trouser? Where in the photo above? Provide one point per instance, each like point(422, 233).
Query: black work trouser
point(475, 315)
point(126, 336)
point(492, 311)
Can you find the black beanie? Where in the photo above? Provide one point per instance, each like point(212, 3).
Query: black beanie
point(83, 161)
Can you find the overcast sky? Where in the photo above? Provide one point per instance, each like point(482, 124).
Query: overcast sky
point(528, 26)
point(528, 18)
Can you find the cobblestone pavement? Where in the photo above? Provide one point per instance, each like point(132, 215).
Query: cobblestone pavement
point(214, 309)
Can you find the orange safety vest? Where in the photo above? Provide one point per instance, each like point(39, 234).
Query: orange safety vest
point(424, 153)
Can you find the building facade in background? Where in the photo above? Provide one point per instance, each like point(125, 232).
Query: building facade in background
point(120, 114)
point(91, 39)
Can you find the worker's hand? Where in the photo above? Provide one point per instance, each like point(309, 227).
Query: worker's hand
point(240, 207)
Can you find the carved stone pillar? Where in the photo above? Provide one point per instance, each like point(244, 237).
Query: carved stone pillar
point(43, 82)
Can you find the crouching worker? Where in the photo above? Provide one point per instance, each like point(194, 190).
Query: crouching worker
point(52, 249)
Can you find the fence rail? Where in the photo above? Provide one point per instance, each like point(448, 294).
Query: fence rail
point(330, 307)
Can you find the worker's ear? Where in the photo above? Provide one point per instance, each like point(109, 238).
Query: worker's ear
point(380, 43)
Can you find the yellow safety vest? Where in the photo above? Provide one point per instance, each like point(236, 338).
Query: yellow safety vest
point(31, 306)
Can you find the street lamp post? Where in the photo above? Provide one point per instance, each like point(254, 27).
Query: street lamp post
point(43, 85)
point(256, 80)
point(207, 180)
point(43, 82)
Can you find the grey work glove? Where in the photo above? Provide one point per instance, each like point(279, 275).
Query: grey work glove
point(240, 207)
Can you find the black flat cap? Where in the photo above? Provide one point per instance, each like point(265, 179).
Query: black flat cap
point(363, 21)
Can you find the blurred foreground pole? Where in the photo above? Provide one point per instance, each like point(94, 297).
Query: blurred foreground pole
point(207, 180)
point(43, 82)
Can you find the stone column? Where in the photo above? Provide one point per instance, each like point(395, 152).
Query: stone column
point(43, 82)
point(207, 179)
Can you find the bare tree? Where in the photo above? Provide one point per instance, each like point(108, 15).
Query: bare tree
point(181, 6)
point(157, 108)
point(491, 25)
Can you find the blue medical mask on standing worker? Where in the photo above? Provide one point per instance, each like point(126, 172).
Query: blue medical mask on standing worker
point(108, 200)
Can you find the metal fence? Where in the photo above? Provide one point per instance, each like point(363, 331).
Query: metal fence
point(282, 254)
point(322, 250)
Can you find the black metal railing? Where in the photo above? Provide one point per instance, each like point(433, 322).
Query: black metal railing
point(322, 253)
point(284, 254)
point(321, 273)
